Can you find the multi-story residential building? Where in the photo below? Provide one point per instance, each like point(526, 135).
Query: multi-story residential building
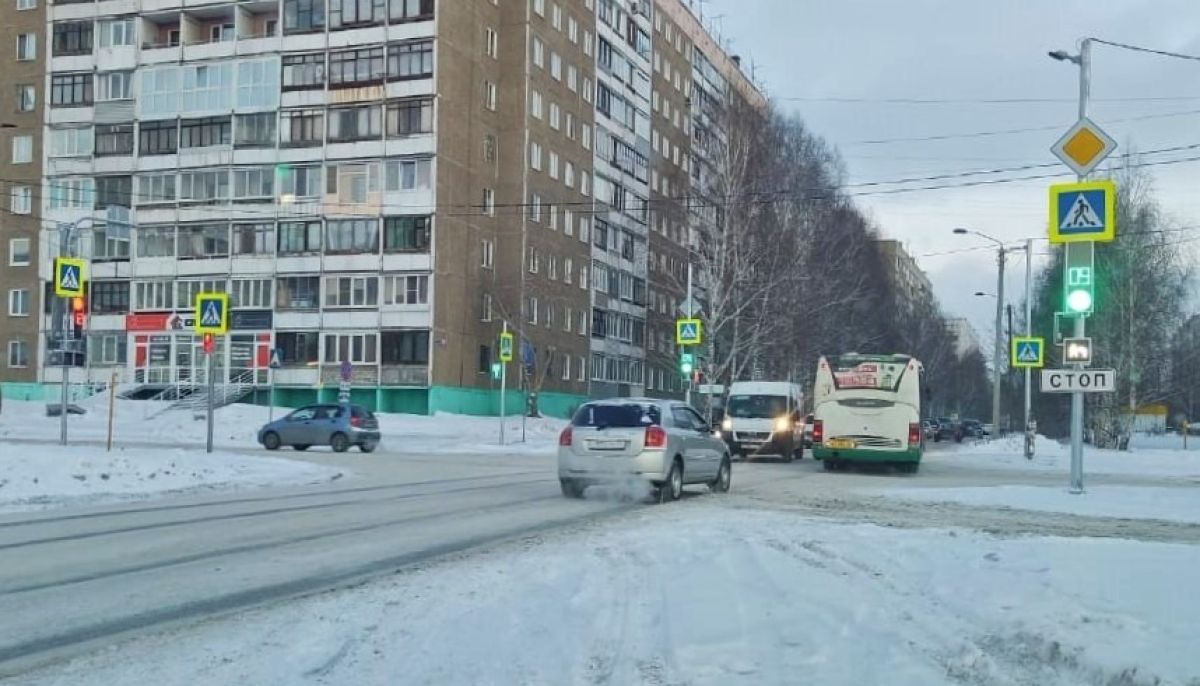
point(965, 339)
point(388, 184)
point(909, 283)
point(22, 34)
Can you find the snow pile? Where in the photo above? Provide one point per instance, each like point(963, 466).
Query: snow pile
point(702, 594)
point(1051, 456)
point(236, 426)
point(1180, 504)
point(43, 476)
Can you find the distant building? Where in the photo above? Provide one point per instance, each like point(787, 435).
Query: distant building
point(910, 285)
point(965, 338)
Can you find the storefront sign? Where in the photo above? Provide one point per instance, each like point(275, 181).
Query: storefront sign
point(244, 320)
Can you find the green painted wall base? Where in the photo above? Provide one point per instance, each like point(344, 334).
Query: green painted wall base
point(479, 402)
point(45, 392)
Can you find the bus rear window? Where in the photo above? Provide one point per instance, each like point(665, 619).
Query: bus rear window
point(867, 375)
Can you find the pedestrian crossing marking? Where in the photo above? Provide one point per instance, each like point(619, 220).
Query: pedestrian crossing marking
point(68, 277)
point(1081, 216)
point(1027, 353)
point(211, 313)
point(687, 332)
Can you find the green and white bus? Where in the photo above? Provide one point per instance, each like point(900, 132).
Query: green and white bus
point(867, 408)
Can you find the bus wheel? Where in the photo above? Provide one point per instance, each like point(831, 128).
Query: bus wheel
point(830, 464)
point(908, 467)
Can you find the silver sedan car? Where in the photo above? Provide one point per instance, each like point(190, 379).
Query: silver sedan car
point(663, 442)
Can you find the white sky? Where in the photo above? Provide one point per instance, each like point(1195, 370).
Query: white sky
point(807, 52)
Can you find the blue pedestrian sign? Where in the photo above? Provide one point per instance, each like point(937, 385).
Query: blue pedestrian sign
point(1083, 212)
point(687, 332)
point(68, 277)
point(212, 313)
point(1028, 352)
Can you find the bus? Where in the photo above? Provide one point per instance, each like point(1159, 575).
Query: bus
point(867, 408)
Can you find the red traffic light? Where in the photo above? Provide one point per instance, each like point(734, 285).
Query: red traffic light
point(208, 344)
point(77, 319)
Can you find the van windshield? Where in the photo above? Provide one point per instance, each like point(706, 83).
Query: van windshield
point(757, 406)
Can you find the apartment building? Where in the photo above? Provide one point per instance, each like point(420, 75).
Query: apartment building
point(390, 184)
point(22, 63)
point(910, 285)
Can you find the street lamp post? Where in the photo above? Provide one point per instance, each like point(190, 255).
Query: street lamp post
point(998, 345)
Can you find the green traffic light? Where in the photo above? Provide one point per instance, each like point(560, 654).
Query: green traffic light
point(1079, 300)
point(686, 363)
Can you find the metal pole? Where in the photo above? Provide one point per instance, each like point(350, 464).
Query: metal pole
point(503, 387)
point(687, 393)
point(1028, 332)
point(271, 396)
point(1085, 75)
point(998, 351)
point(64, 249)
point(208, 445)
point(112, 401)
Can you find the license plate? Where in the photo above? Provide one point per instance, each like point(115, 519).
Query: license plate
point(608, 445)
point(840, 443)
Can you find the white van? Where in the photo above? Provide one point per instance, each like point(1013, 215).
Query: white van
point(867, 408)
point(764, 418)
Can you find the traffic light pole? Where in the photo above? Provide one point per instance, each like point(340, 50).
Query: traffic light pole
point(64, 250)
point(1028, 332)
point(1085, 74)
point(503, 388)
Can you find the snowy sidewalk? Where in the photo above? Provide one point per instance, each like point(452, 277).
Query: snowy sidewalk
point(44, 476)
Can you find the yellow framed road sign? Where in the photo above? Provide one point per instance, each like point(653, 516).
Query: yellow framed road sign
point(687, 332)
point(506, 347)
point(1083, 212)
point(212, 313)
point(69, 277)
point(1028, 352)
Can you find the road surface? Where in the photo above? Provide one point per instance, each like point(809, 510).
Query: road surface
point(74, 580)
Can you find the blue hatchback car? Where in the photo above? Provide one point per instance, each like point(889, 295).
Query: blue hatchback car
point(337, 426)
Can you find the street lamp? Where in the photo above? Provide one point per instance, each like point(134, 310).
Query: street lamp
point(997, 350)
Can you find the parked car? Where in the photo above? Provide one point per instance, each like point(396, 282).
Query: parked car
point(946, 429)
point(663, 442)
point(988, 429)
point(337, 426)
point(928, 429)
point(970, 428)
point(808, 431)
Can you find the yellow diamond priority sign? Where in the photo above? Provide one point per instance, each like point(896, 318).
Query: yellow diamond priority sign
point(1084, 146)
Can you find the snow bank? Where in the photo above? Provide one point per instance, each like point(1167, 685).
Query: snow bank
point(236, 426)
point(1180, 504)
point(1051, 456)
point(703, 594)
point(43, 476)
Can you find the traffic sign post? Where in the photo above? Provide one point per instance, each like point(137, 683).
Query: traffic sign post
point(275, 363)
point(506, 356)
point(211, 320)
point(1084, 146)
point(345, 373)
point(1083, 212)
point(1077, 351)
point(70, 282)
point(1028, 352)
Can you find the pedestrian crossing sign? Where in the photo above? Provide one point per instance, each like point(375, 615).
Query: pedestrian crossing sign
point(1083, 212)
point(1028, 352)
point(687, 332)
point(68, 277)
point(212, 313)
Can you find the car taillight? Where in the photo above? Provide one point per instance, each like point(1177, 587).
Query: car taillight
point(655, 437)
point(355, 422)
point(818, 431)
point(914, 434)
point(564, 438)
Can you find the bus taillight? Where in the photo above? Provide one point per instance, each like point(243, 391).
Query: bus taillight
point(914, 434)
point(818, 432)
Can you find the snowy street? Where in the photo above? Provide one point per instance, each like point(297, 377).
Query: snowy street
point(843, 577)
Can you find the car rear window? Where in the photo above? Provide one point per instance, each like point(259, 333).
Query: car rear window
point(630, 415)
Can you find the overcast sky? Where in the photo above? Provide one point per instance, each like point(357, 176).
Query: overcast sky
point(810, 53)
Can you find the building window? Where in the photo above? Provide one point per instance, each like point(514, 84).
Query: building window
point(22, 149)
point(299, 128)
point(71, 90)
point(491, 43)
point(21, 199)
point(356, 67)
point(18, 354)
point(156, 188)
point(539, 6)
point(409, 10)
point(114, 139)
point(117, 32)
point(254, 239)
point(304, 71)
point(485, 308)
point(351, 291)
point(407, 175)
point(298, 293)
point(350, 236)
point(348, 13)
point(18, 302)
point(489, 95)
point(158, 137)
point(201, 241)
point(18, 252)
point(411, 289)
point(205, 132)
point(535, 104)
point(411, 60)
point(186, 291)
point(555, 66)
point(488, 206)
point(357, 348)
point(298, 238)
point(109, 297)
point(114, 85)
point(539, 52)
point(363, 122)
point(152, 295)
point(352, 183)
point(254, 130)
point(535, 155)
point(406, 234)
point(107, 349)
point(299, 182)
point(156, 241)
point(26, 47)
point(405, 347)
point(204, 186)
point(409, 117)
point(26, 98)
point(26, 4)
point(299, 347)
point(301, 16)
point(487, 250)
point(254, 183)
point(489, 147)
point(114, 190)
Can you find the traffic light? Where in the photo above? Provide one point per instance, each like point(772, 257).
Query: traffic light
point(77, 317)
point(687, 363)
point(1079, 281)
